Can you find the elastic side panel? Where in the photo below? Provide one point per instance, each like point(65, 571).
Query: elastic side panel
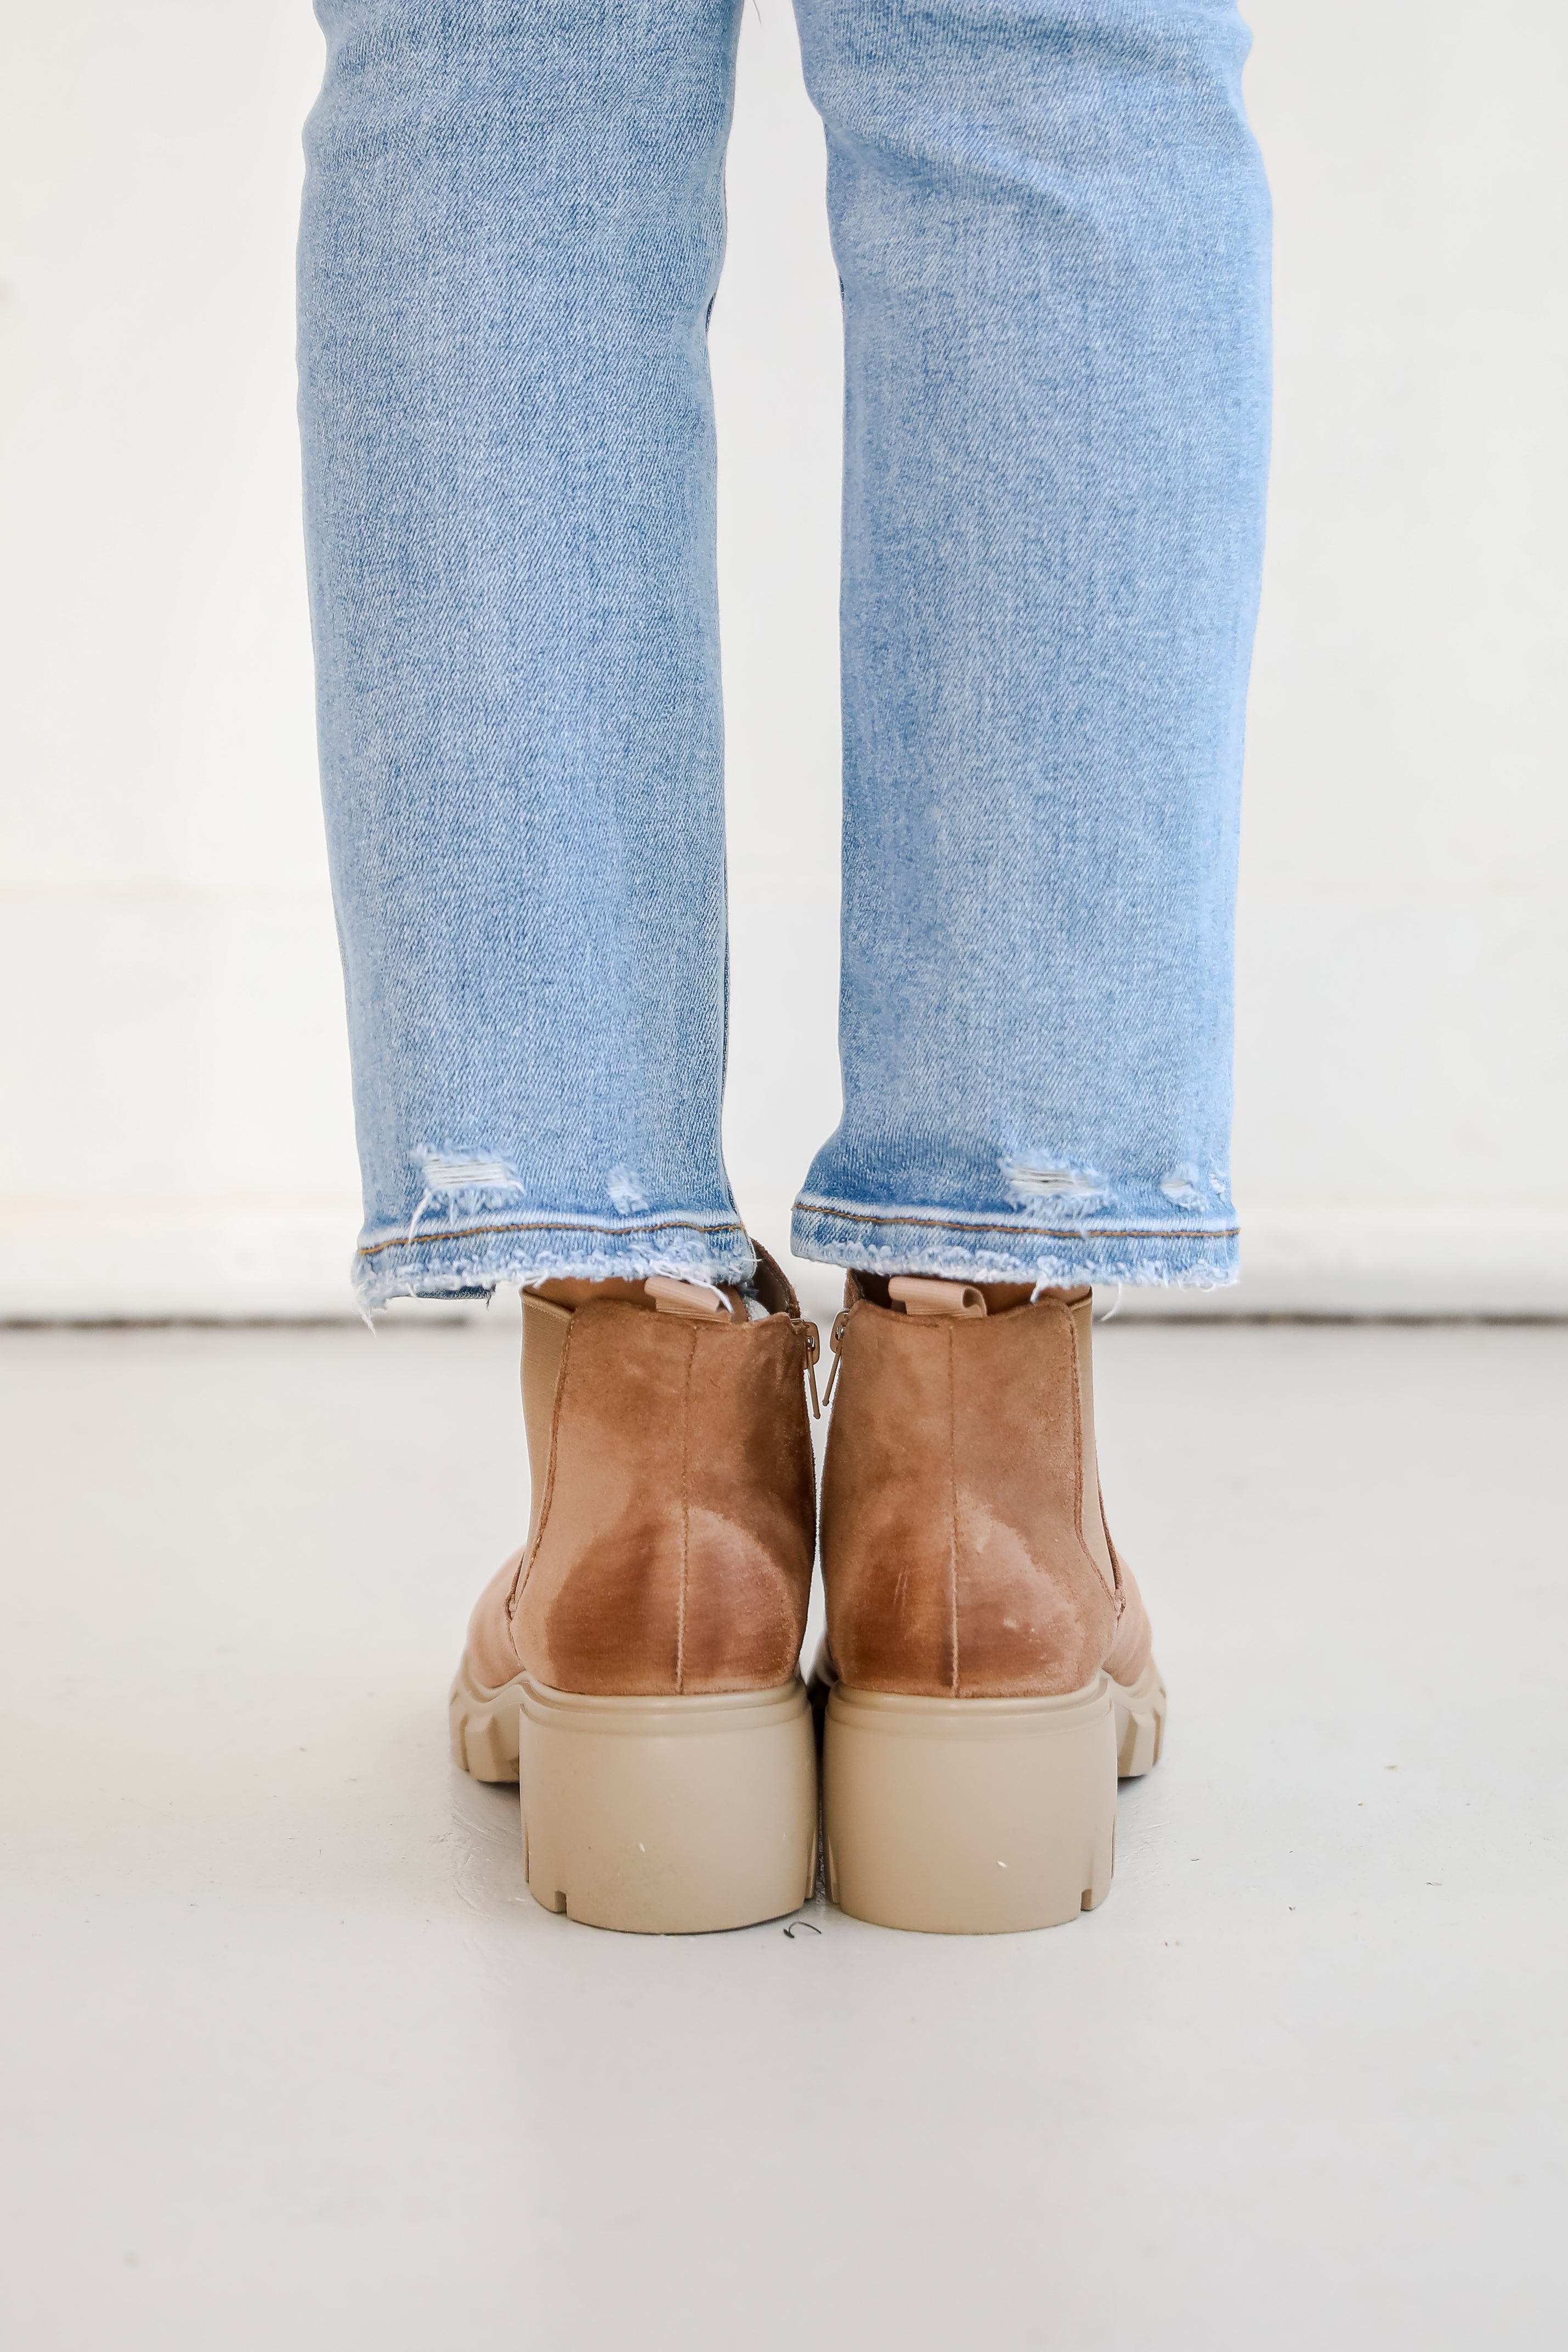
point(545, 1329)
point(1093, 1517)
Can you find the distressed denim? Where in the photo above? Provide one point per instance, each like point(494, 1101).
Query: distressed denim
point(1052, 229)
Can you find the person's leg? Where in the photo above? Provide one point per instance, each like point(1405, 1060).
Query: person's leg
point(1052, 226)
point(512, 234)
point(1052, 232)
point(513, 225)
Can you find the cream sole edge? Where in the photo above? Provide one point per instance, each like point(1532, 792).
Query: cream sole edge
point(656, 1816)
point(670, 1816)
point(973, 1817)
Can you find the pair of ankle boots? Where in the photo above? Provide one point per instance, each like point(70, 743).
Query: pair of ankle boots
point(987, 1672)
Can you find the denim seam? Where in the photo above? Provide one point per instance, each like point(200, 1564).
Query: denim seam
point(1084, 1231)
point(547, 1225)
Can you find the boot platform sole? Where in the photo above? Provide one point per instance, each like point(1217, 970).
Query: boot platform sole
point(980, 1816)
point(657, 1816)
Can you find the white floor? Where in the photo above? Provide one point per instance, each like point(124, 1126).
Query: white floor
point(292, 2060)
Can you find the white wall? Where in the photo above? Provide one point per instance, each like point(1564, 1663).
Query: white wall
point(175, 1132)
point(1402, 1045)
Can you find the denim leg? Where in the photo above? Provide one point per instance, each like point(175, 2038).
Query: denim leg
point(512, 235)
point(1052, 230)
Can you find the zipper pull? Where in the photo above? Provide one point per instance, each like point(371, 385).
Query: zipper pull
point(813, 1349)
point(835, 1343)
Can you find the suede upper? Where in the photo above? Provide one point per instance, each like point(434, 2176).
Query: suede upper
point(964, 1548)
point(673, 1514)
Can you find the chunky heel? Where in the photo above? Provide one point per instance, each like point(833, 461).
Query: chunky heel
point(668, 1816)
point(969, 1817)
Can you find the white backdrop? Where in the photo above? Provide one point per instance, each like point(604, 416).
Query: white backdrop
point(175, 1132)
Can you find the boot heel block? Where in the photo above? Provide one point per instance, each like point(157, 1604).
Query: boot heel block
point(1140, 1722)
point(668, 1816)
point(969, 1816)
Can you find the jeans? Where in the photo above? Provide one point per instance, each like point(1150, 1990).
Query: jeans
point(1051, 231)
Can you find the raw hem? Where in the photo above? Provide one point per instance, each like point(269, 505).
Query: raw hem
point(474, 1259)
point(965, 1249)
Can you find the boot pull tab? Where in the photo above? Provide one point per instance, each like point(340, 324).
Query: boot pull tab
point(698, 1299)
point(835, 1341)
point(917, 1295)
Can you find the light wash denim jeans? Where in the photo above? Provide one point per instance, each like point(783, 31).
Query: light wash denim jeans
point(1051, 228)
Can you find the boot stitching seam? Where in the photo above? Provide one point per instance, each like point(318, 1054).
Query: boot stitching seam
point(686, 1511)
point(952, 1505)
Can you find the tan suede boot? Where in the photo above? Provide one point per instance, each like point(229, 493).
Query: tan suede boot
point(987, 1654)
point(634, 1664)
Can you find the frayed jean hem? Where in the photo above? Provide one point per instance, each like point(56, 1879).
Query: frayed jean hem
point(1058, 1255)
point(473, 1260)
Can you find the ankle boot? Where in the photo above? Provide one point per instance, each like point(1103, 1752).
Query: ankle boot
point(634, 1664)
point(988, 1667)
